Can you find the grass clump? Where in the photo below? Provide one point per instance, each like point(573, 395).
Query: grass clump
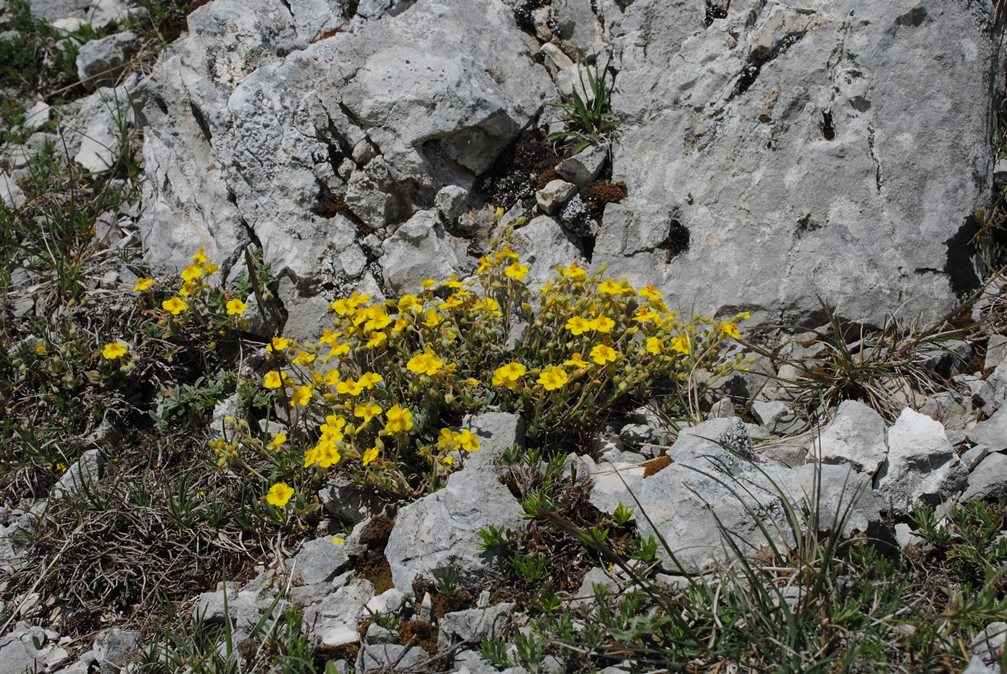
point(587, 114)
point(821, 605)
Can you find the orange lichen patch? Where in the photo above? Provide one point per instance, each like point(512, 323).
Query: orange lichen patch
point(374, 567)
point(419, 633)
point(603, 191)
point(655, 466)
point(377, 531)
point(545, 177)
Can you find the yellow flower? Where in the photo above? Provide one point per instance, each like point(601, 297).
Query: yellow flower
point(452, 282)
point(425, 362)
point(408, 303)
point(645, 315)
point(428, 283)
point(446, 440)
point(376, 340)
point(400, 420)
point(578, 325)
point(331, 378)
point(199, 257)
point(650, 292)
point(274, 379)
point(490, 306)
point(338, 540)
point(574, 273)
point(730, 329)
point(449, 460)
point(369, 379)
point(467, 440)
point(432, 319)
point(191, 273)
point(277, 441)
point(553, 378)
point(236, 308)
point(278, 344)
point(113, 351)
point(602, 324)
point(681, 344)
point(279, 494)
point(653, 345)
point(209, 268)
point(610, 287)
point(603, 353)
point(174, 305)
point(301, 397)
point(377, 319)
point(509, 375)
point(339, 350)
point(369, 455)
point(343, 307)
point(506, 253)
point(516, 271)
point(350, 388)
point(367, 412)
point(576, 361)
point(40, 349)
point(303, 358)
point(332, 429)
point(143, 284)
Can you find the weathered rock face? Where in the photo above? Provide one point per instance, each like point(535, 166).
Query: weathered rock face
point(256, 134)
point(798, 149)
point(789, 151)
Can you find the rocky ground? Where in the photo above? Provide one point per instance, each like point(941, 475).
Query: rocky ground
point(827, 492)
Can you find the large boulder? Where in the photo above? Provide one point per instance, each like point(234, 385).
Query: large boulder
point(305, 145)
point(796, 150)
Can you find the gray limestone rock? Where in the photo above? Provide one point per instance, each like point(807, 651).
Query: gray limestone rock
point(390, 658)
point(82, 474)
point(441, 529)
point(473, 625)
point(101, 62)
point(320, 560)
point(992, 432)
point(584, 166)
point(988, 480)
point(769, 167)
point(553, 195)
point(856, 435)
point(335, 618)
point(419, 249)
point(710, 490)
point(543, 244)
point(921, 467)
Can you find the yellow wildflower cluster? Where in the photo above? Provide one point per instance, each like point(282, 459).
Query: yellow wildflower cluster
point(372, 394)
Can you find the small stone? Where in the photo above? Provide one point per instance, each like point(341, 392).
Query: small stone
point(996, 351)
point(722, 409)
point(554, 194)
point(388, 602)
point(992, 432)
point(989, 644)
point(450, 203)
point(320, 560)
point(85, 471)
point(37, 116)
point(100, 62)
point(390, 658)
point(583, 167)
point(921, 467)
point(380, 635)
point(905, 537)
point(971, 458)
point(988, 480)
point(114, 648)
point(473, 625)
point(775, 415)
point(856, 435)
